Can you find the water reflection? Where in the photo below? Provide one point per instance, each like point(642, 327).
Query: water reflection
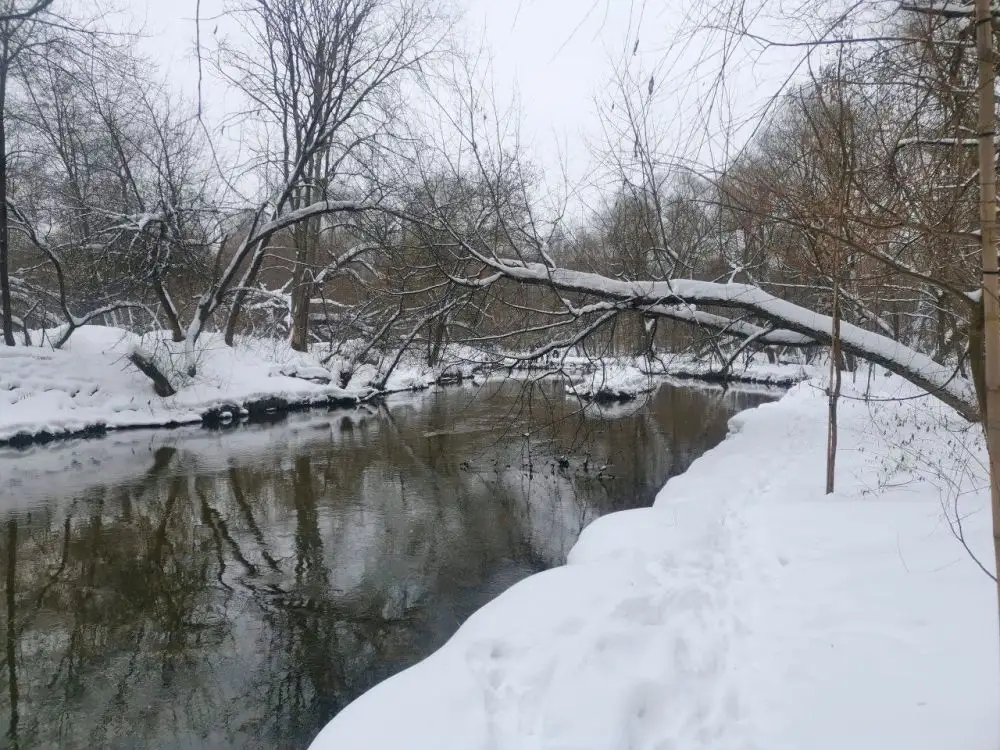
point(202, 589)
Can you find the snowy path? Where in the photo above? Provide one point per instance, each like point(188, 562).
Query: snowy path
point(745, 610)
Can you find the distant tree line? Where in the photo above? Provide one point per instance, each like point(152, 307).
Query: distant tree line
point(367, 195)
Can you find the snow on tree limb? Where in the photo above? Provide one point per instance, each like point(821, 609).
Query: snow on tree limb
point(950, 10)
point(762, 336)
point(945, 142)
point(252, 248)
point(795, 325)
point(72, 321)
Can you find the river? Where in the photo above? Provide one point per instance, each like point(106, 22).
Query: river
point(194, 588)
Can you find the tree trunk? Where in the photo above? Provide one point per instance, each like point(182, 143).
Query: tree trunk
point(941, 331)
point(306, 239)
point(302, 289)
point(6, 313)
point(167, 304)
point(240, 297)
point(833, 391)
point(436, 340)
point(10, 651)
point(977, 359)
point(145, 363)
point(991, 287)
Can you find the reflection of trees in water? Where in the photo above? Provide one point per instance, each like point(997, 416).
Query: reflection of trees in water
point(245, 603)
point(109, 599)
point(10, 632)
point(579, 463)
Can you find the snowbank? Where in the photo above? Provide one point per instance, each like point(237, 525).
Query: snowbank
point(745, 610)
point(755, 368)
point(90, 386)
point(624, 379)
point(616, 382)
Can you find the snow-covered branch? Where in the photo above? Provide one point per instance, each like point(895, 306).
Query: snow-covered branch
point(794, 325)
point(250, 251)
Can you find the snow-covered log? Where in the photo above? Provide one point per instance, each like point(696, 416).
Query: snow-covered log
point(794, 325)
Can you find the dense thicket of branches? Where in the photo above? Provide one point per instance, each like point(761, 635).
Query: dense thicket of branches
point(343, 221)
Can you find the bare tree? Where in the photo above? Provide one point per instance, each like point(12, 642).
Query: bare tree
point(878, 219)
point(110, 191)
point(17, 30)
point(323, 83)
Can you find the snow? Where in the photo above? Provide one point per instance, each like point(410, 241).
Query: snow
point(625, 378)
point(89, 383)
point(615, 382)
point(756, 370)
point(679, 297)
point(745, 609)
point(752, 368)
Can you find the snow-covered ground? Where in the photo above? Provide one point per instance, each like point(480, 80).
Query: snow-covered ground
point(755, 368)
point(615, 382)
point(89, 384)
point(626, 378)
point(611, 379)
point(746, 610)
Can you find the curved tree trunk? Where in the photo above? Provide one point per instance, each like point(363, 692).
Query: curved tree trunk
point(794, 326)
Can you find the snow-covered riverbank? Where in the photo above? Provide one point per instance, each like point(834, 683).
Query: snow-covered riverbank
point(89, 386)
point(745, 610)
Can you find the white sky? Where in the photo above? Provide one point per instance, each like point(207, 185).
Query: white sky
point(553, 56)
point(554, 51)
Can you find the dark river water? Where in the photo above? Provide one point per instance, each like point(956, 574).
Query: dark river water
point(236, 589)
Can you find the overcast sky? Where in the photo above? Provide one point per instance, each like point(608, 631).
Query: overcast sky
point(553, 57)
